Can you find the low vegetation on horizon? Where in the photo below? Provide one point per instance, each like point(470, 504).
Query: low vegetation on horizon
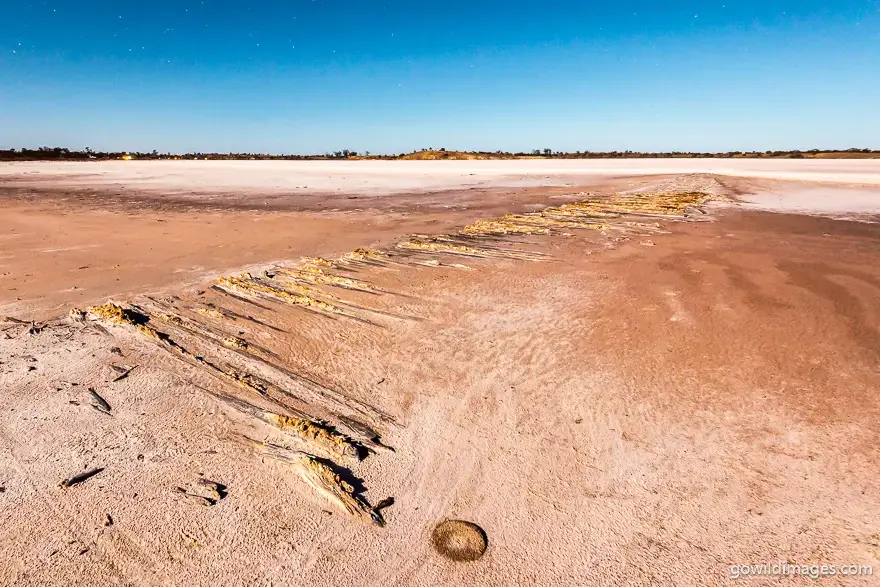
point(430, 154)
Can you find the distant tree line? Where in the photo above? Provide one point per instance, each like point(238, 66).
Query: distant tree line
point(65, 154)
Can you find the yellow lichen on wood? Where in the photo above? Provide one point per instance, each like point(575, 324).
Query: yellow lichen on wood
point(536, 223)
point(576, 210)
point(318, 434)
point(234, 342)
point(217, 314)
point(319, 261)
point(502, 226)
point(329, 484)
point(173, 319)
point(116, 314)
point(298, 288)
point(246, 380)
point(113, 313)
point(550, 222)
point(441, 247)
point(447, 244)
point(664, 203)
point(247, 285)
point(325, 480)
point(318, 276)
point(362, 254)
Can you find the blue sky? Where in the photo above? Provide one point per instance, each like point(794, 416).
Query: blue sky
point(309, 76)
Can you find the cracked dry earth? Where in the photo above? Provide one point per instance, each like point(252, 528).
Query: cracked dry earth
point(629, 390)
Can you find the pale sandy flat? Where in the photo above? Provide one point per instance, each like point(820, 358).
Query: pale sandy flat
point(395, 177)
point(634, 401)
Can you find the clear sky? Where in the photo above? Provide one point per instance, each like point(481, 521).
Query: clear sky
point(309, 76)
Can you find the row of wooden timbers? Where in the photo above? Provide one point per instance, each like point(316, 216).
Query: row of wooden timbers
point(326, 445)
point(349, 438)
